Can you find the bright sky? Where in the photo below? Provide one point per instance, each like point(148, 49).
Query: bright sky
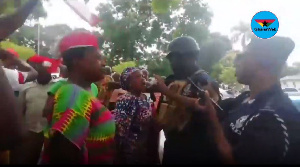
point(227, 13)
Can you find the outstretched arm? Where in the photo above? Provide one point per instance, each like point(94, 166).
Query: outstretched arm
point(182, 100)
point(216, 131)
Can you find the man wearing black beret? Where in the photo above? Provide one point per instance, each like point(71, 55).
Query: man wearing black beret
point(265, 128)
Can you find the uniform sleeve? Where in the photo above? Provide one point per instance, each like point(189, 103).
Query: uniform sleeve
point(264, 140)
point(70, 114)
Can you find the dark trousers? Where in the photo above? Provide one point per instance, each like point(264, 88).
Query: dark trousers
point(28, 152)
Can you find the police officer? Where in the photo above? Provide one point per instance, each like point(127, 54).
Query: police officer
point(264, 129)
point(185, 132)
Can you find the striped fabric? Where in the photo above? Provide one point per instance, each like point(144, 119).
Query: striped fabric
point(83, 120)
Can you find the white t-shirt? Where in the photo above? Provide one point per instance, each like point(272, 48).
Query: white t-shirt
point(15, 78)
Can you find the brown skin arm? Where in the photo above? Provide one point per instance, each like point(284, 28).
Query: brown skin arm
point(10, 119)
point(215, 127)
point(32, 73)
point(10, 60)
point(14, 21)
point(216, 131)
point(161, 87)
point(48, 106)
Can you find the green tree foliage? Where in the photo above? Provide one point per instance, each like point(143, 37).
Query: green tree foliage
point(122, 66)
point(10, 6)
point(159, 67)
point(140, 30)
point(224, 71)
point(213, 50)
point(24, 52)
point(162, 7)
point(227, 76)
point(27, 36)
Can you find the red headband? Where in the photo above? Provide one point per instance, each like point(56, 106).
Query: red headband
point(13, 52)
point(78, 39)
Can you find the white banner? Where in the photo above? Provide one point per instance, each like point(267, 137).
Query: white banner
point(83, 11)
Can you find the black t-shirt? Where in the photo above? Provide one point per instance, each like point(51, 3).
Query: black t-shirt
point(191, 145)
point(265, 130)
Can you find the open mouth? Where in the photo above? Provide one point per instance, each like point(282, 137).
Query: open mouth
point(144, 83)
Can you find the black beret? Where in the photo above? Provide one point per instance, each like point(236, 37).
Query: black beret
point(275, 49)
point(183, 44)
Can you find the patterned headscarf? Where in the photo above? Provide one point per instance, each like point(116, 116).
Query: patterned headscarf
point(125, 75)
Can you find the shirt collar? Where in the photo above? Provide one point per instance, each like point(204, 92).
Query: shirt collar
point(275, 89)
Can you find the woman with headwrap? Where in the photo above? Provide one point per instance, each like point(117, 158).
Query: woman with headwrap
point(133, 115)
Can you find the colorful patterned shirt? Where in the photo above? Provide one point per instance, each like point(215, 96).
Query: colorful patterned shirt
point(83, 120)
point(133, 117)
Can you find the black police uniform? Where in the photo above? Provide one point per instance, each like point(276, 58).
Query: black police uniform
point(191, 145)
point(265, 130)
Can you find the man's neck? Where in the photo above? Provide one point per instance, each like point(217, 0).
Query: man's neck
point(259, 86)
point(78, 81)
point(184, 75)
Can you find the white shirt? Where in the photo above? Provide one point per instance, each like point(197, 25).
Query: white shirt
point(14, 79)
point(34, 97)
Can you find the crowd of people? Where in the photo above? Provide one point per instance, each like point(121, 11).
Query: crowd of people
point(93, 116)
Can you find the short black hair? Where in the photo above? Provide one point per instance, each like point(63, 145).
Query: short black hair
point(74, 53)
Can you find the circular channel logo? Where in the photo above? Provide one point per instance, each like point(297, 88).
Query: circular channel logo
point(264, 24)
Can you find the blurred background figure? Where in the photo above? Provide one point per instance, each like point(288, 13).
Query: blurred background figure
point(32, 100)
point(102, 86)
point(17, 71)
point(116, 89)
point(116, 77)
point(11, 117)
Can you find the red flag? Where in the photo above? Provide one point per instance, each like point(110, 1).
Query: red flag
point(83, 11)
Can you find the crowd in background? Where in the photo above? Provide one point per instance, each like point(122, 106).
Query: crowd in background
point(90, 115)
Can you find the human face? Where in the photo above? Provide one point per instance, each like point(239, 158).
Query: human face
point(246, 68)
point(44, 77)
point(145, 74)
point(91, 67)
point(182, 64)
point(137, 82)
